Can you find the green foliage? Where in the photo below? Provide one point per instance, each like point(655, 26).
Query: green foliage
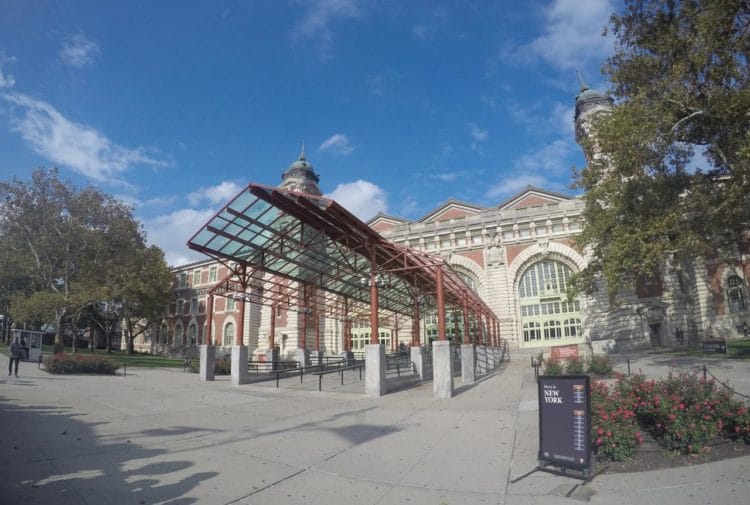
point(553, 367)
point(614, 433)
point(682, 87)
point(66, 249)
point(683, 411)
point(575, 366)
point(79, 364)
point(222, 366)
point(599, 364)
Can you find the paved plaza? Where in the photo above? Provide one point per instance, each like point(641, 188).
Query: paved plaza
point(161, 436)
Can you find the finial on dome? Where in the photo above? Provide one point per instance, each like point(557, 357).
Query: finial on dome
point(302, 153)
point(584, 86)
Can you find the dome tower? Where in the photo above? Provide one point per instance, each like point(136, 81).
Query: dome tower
point(300, 176)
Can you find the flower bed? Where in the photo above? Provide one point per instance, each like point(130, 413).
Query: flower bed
point(79, 363)
point(683, 412)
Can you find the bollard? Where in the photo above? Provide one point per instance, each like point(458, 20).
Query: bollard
point(124, 368)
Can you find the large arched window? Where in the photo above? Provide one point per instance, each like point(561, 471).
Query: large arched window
point(229, 334)
point(192, 333)
point(178, 335)
point(548, 317)
point(735, 294)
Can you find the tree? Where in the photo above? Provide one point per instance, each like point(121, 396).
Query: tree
point(672, 181)
point(67, 245)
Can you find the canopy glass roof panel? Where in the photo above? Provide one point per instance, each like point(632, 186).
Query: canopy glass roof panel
point(313, 240)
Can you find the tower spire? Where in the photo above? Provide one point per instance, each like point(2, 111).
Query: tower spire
point(302, 153)
point(584, 86)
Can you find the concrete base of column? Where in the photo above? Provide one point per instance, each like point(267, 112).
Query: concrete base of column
point(468, 362)
point(348, 357)
point(496, 352)
point(208, 362)
point(442, 369)
point(272, 355)
point(491, 358)
point(374, 370)
point(481, 359)
point(417, 359)
point(303, 356)
point(316, 358)
point(239, 364)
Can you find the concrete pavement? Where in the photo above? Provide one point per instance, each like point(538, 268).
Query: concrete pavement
point(159, 436)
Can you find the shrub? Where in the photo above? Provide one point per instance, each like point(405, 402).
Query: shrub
point(600, 364)
point(222, 366)
point(79, 363)
point(614, 434)
point(575, 366)
point(553, 366)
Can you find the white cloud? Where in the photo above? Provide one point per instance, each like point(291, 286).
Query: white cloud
point(573, 33)
point(508, 187)
point(7, 80)
point(316, 24)
point(558, 119)
point(76, 146)
point(478, 135)
point(571, 36)
point(220, 193)
point(551, 158)
point(337, 144)
point(78, 51)
point(172, 231)
point(362, 198)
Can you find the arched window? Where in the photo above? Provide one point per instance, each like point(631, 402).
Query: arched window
point(178, 337)
point(532, 332)
point(735, 294)
point(546, 310)
point(192, 333)
point(229, 334)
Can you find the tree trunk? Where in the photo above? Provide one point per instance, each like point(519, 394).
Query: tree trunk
point(59, 344)
point(130, 338)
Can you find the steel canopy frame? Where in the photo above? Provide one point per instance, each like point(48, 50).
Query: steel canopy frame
point(314, 241)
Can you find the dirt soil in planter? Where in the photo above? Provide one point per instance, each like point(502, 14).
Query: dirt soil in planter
point(652, 456)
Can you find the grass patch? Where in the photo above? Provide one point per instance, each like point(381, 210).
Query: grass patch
point(736, 349)
point(119, 357)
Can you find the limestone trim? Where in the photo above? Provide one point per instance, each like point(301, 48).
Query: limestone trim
point(535, 252)
point(472, 266)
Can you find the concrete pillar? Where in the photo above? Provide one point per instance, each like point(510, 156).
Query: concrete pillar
point(208, 362)
point(303, 356)
point(481, 359)
point(442, 369)
point(417, 360)
point(491, 358)
point(239, 364)
point(272, 355)
point(468, 362)
point(374, 370)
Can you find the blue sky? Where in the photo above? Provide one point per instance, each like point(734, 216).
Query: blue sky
point(173, 106)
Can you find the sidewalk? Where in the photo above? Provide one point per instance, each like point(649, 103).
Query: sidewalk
point(160, 436)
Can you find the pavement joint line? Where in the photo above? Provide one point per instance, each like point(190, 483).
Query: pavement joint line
point(272, 484)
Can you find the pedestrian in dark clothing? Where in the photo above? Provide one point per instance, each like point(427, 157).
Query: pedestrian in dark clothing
point(15, 355)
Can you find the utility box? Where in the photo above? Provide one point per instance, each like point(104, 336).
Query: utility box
point(31, 344)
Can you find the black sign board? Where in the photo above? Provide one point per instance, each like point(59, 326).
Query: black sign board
point(719, 346)
point(565, 421)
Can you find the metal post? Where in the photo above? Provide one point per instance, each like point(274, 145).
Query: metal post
point(209, 318)
point(239, 338)
point(374, 336)
point(440, 303)
point(272, 336)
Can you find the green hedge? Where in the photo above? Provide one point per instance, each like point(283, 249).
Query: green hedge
point(79, 363)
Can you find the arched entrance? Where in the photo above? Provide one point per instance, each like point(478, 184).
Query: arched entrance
point(548, 317)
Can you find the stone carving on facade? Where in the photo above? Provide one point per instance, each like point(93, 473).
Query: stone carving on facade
point(495, 255)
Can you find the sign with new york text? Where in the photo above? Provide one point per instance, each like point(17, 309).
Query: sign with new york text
point(565, 421)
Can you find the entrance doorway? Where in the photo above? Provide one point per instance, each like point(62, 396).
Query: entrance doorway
point(655, 334)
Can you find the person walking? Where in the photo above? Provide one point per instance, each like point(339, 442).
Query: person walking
point(15, 355)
